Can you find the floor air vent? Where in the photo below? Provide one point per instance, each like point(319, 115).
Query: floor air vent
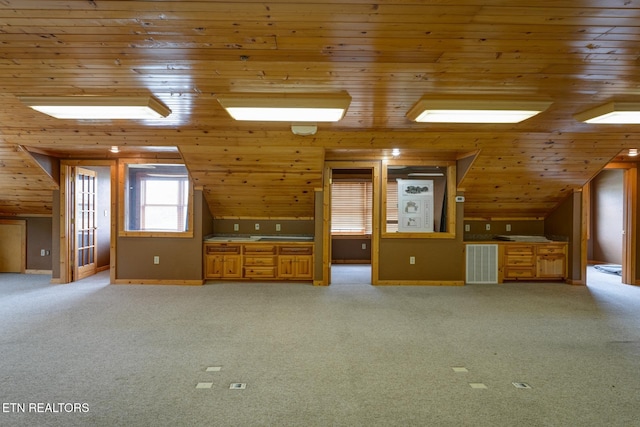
point(482, 264)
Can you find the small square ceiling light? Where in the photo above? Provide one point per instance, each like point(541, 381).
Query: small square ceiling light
point(612, 113)
point(438, 110)
point(98, 107)
point(293, 107)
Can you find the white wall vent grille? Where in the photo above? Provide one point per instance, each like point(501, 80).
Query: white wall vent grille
point(482, 264)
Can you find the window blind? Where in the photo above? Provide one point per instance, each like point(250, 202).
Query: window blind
point(392, 206)
point(351, 207)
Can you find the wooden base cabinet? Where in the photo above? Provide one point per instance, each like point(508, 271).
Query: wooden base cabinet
point(295, 262)
point(256, 261)
point(551, 261)
point(259, 261)
point(222, 261)
point(519, 261)
point(535, 261)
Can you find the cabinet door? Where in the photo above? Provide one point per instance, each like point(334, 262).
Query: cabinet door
point(232, 266)
point(286, 268)
point(551, 266)
point(214, 266)
point(303, 267)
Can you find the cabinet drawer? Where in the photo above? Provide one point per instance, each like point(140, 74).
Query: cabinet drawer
point(264, 272)
point(518, 250)
point(223, 249)
point(519, 260)
point(259, 260)
point(519, 273)
point(550, 250)
point(296, 250)
point(259, 249)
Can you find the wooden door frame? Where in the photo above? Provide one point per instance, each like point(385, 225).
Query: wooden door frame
point(630, 197)
point(65, 229)
point(375, 167)
point(629, 223)
point(23, 240)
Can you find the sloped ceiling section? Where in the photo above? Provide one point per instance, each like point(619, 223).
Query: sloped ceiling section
point(25, 187)
point(577, 54)
point(257, 182)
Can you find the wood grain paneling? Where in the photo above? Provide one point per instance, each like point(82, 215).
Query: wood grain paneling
point(386, 55)
point(25, 187)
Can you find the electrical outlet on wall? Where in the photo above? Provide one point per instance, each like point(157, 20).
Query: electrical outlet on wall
point(467, 227)
point(487, 227)
point(508, 227)
point(236, 227)
point(277, 227)
point(156, 259)
point(412, 260)
point(257, 226)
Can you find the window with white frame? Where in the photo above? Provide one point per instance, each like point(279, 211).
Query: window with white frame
point(157, 198)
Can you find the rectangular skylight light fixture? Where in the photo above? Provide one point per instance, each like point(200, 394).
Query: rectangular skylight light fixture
point(298, 107)
point(429, 110)
point(612, 113)
point(98, 107)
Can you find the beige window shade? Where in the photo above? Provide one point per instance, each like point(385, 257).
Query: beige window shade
point(351, 207)
point(392, 206)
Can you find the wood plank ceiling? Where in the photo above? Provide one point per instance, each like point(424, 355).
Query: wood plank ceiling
point(386, 55)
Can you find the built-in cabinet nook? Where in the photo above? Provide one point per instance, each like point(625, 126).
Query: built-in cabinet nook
point(253, 260)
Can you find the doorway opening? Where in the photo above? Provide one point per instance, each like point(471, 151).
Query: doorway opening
point(87, 200)
point(611, 222)
point(352, 230)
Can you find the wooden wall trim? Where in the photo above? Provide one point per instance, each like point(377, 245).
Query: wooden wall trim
point(65, 167)
point(374, 166)
point(159, 282)
point(421, 282)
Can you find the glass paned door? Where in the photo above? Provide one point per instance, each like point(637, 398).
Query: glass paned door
point(85, 223)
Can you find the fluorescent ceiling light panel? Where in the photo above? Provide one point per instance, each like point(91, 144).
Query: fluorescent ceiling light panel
point(98, 107)
point(474, 111)
point(612, 113)
point(262, 107)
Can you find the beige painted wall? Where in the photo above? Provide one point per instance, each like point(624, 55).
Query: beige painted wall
point(288, 227)
point(478, 228)
point(607, 202)
point(436, 259)
point(180, 258)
